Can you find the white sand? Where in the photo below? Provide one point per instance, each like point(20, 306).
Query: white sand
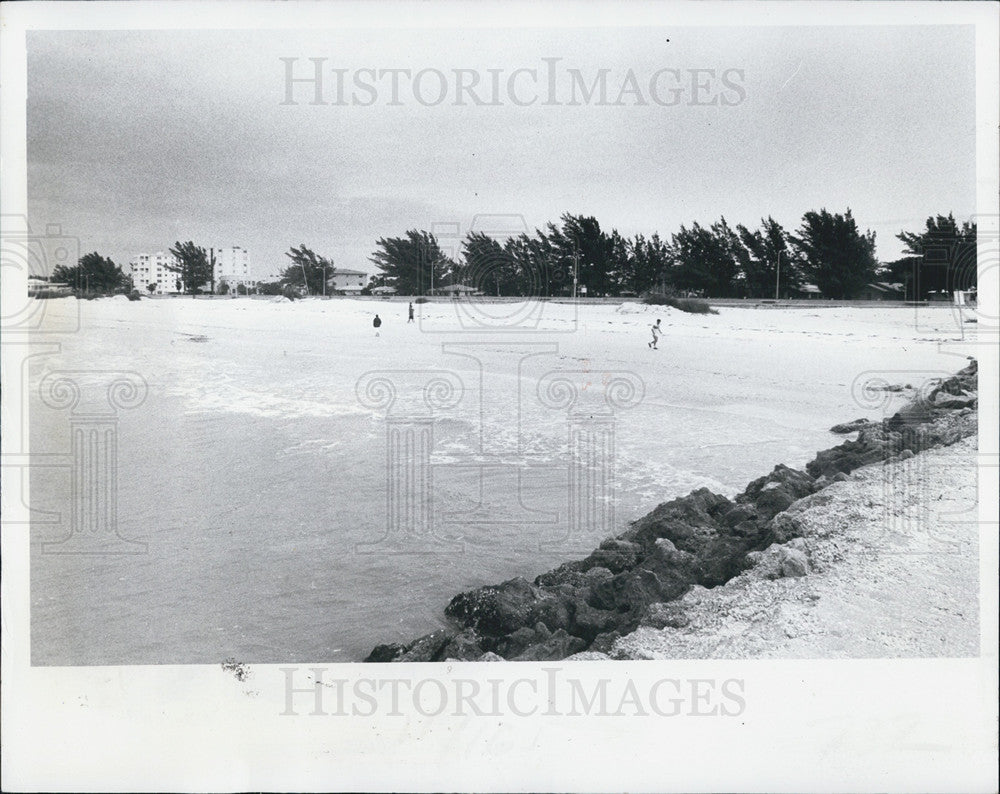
point(895, 573)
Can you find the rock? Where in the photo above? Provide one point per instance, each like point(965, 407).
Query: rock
point(603, 642)
point(721, 561)
point(850, 427)
point(517, 641)
point(558, 646)
point(589, 621)
point(777, 491)
point(554, 611)
point(954, 401)
point(739, 514)
point(567, 573)
point(464, 647)
point(489, 656)
point(661, 616)
point(906, 454)
point(428, 648)
point(779, 561)
point(783, 528)
point(841, 477)
point(798, 543)
point(596, 575)
point(494, 610)
point(794, 563)
point(630, 592)
point(588, 656)
point(614, 555)
point(687, 521)
point(385, 653)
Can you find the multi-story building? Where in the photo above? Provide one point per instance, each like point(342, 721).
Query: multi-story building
point(349, 281)
point(154, 269)
point(232, 266)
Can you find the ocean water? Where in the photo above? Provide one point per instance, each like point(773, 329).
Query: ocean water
point(264, 538)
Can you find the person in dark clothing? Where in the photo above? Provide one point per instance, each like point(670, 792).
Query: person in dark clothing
point(376, 324)
point(411, 314)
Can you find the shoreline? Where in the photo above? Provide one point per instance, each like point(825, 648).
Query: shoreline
point(688, 551)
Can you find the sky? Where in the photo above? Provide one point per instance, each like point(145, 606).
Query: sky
point(138, 139)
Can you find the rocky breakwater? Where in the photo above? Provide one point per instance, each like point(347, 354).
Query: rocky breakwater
point(703, 539)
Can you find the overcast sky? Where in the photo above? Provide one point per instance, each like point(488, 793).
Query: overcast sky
point(138, 139)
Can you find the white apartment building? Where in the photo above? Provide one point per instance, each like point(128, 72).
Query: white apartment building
point(232, 265)
point(155, 269)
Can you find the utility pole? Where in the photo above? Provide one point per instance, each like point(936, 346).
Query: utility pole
point(576, 269)
point(777, 278)
point(305, 280)
point(324, 280)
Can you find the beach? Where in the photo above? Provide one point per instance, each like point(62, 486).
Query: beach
point(257, 476)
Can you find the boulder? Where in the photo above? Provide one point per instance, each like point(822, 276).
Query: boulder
point(596, 575)
point(489, 656)
point(794, 563)
point(783, 528)
point(554, 610)
point(686, 521)
point(614, 555)
point(428, 648)
point(557, 646)
point(603, 642)
point(850, 427)
point(464, 647)
point(495, 610)
point(517, 641)
point(775, 492)
point(385, 653)
point(589, 621)
point(943, 399)
point(630, 592)
point(739, 514)
point(567, 573)
point(779, 561)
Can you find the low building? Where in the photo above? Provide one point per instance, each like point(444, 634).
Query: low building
point(458, 290)
point(807, 291)
point(42, 286)
point(881, 291)
point(348, 281)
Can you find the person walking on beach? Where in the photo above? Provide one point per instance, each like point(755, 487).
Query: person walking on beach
point(411, 314)
point(376, 324)
point(655, 328)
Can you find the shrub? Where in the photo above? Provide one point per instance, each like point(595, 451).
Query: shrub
point(134, 295)
point(421, 299)
point(689, 305)
point(657, 300)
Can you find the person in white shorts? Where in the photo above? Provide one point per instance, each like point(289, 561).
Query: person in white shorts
point(655, 328)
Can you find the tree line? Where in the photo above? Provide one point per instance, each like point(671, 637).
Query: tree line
point(828, 250)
